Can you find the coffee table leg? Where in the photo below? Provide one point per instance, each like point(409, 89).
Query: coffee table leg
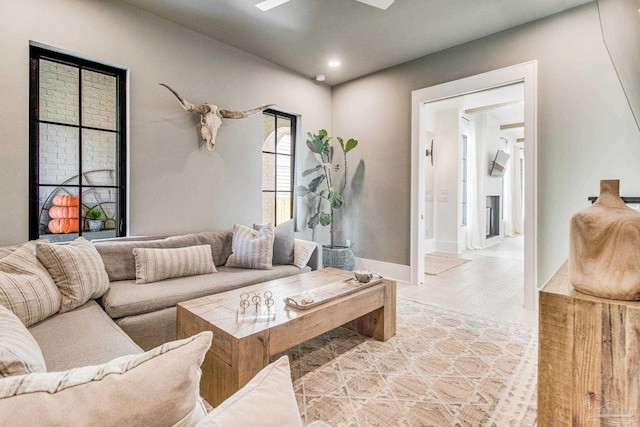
point(248, 356)
point(380, 324)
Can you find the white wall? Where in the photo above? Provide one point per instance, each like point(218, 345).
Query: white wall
point(175, 185)
point(447, 167)
point(586, 131)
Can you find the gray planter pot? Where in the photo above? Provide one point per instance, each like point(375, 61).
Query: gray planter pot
point(338, 257)
point(94, 224)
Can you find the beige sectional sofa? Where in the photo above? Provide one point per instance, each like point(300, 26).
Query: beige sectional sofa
point(129, 318)
point(147, 313)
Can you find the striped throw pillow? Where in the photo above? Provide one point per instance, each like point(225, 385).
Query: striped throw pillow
point(77, 269)
point(26, 288)
point(159, 387)
point(252, 248)
point(19, 351)
point(153, 265)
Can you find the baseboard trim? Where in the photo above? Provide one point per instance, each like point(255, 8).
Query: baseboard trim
point(397, 272)
point(448, 247)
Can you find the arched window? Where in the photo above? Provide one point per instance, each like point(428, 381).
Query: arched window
point(278, 165)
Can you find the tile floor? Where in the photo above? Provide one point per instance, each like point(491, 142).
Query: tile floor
point(491, 285)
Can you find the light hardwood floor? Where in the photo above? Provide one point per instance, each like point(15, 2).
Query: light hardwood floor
point(491, 285)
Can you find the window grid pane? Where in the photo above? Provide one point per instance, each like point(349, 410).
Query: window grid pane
point(71, 160)
point(59, 93)
point(99, 98)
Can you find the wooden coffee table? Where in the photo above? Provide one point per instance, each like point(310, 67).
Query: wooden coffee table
point(243, 342)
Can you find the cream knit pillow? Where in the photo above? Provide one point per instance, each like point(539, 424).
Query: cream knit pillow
point(77, 269)
point(268, 400)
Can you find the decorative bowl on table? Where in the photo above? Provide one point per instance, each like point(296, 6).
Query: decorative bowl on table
point(363, 276)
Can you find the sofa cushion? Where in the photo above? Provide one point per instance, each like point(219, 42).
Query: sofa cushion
point(282, 242)
point(268, 399)
point(125, 298)
point(77, 269)
point(19, 351)
point(156, 388)
point(252, 248)
point(84, 336)
point(153, 265)
point(152, 329)
point(26, 288)
point(119, 262)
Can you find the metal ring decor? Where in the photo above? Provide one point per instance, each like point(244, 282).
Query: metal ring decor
point(256, 299)
point(244, 300)
point(268, 298)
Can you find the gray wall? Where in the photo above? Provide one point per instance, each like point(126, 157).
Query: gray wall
point(585, 130)
point(175, 185)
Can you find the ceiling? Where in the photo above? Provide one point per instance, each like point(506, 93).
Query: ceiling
point(505, 104)
point(303, 35)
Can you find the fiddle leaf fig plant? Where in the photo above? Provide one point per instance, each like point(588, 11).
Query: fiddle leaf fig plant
point(324, 191)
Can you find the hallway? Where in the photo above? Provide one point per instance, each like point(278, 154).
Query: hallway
point(491, 285)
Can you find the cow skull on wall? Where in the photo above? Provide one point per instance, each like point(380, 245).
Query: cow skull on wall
point(211, 117)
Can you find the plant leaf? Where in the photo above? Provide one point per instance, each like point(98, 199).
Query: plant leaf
point(315, 183)
point(322, 132)
point(351, 144)
point(341, 141)
point(324, 218)
point(335, 199)
point(313, 221)
point(312, 170)
point(302, 191)
point(316, 145)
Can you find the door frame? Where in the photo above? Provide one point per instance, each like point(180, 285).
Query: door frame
point(525, 73)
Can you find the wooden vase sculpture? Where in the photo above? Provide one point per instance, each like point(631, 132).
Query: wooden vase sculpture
point(604, 247)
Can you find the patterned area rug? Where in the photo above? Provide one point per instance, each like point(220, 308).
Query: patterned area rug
point(435, 264)
point(442, 368)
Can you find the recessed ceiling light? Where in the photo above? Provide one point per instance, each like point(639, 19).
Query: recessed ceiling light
point(270, 4)
point(334, 63)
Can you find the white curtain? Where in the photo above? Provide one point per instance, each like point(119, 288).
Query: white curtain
point(475, 221)
point(512, 203)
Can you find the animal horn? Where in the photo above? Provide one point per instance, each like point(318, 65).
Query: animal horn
point(242, 114)
point(201, 109)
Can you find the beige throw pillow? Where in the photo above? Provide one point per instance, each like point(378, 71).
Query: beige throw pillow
point(156, 388)
point(283, 238)
point(252, 248)
point(77, 269)
point(302, 251)
point(26, 288)
point(19, 352)
point(266, 400)
point(153, 265)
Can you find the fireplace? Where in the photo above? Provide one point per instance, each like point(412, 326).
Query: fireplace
point(493, 216)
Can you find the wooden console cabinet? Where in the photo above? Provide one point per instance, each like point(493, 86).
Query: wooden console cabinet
point(589, 358)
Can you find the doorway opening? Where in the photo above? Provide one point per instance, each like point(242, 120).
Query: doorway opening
point(458, 188)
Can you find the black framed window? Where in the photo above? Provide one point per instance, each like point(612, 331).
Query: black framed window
point(77, 153)
point(278, 166)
